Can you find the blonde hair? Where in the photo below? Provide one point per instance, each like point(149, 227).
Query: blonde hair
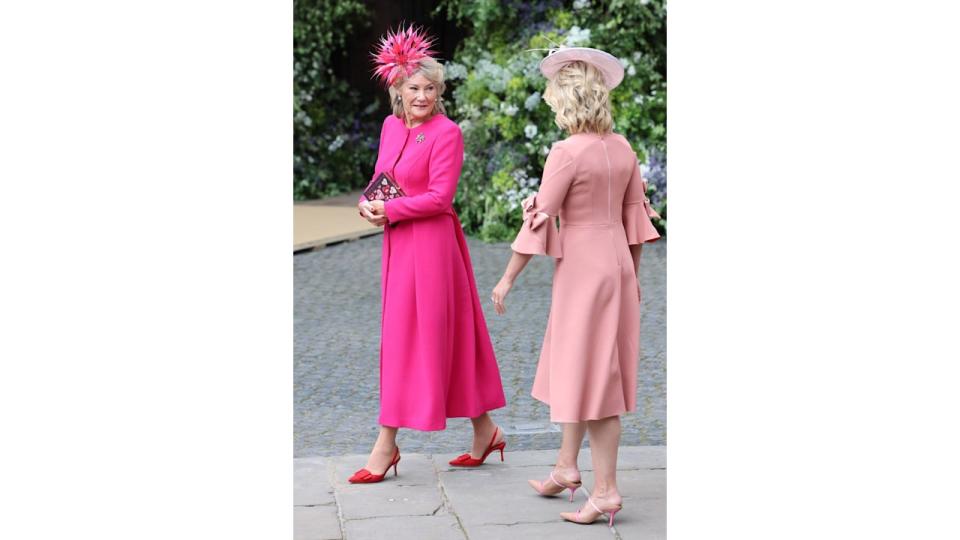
point(433, 71)
point(579, 99)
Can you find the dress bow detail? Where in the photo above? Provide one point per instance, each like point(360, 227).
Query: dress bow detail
point(534, 238)
point(531, 215)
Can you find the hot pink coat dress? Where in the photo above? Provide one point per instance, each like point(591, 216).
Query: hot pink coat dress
point(588, 363)
point(436, 359)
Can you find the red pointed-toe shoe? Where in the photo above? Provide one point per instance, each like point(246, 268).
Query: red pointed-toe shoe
point(466, 460)
point(363, 476)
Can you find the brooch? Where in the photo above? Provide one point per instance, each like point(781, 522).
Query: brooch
point(420, 138)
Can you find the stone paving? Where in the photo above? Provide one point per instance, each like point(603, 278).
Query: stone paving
point(431, 500)
point(336, 344)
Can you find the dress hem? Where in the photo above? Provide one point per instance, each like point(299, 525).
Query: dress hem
point(555, 420)
point(420, 427)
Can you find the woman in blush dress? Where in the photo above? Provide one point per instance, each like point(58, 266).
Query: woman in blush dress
point(436, 359)
point(587, 371)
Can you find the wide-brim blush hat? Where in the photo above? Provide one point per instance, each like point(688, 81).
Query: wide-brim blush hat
point(609, 67)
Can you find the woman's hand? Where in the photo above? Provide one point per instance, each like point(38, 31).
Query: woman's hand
point(368, 210)
point(378, 208)
point(500, 293)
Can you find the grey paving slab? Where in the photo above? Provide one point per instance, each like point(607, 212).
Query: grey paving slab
point(336, 358)
point(413, 470)
point(441, 527)
point(430, 499)
point(501, 497)
point(644, 513)
point(641, 457)
point(645, 521)
point(311, 485)
point(415, 492)
point(554, 530)
point(316, 523)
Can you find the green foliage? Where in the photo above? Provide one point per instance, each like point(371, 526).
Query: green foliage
point(508, 129)
point(334, 137)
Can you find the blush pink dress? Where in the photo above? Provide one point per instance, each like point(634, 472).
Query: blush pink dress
point(588, 363)
point(436, 359)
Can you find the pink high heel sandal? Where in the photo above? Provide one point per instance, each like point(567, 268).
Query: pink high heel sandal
point(572, 487)
point(578, 519)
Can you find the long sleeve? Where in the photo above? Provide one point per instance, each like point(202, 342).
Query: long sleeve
point(383, 129)
point(446, 160)
point(538, 235)
point(637, 211)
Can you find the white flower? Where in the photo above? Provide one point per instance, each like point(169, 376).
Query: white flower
point(532, 101)
point(581, 4)
point(545, 150)
point(509, 110)
point(494, 76)
point(465, 124)
point(530, 131)
point(631, 70)
point(577, 37)
point(337, 143)
point(520, 176)
point(456, 71)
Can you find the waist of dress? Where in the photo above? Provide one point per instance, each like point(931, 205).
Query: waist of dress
point(613, 225)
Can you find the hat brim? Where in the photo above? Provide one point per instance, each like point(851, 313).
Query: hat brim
point(606, 63)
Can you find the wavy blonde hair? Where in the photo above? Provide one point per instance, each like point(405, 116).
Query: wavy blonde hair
point(579, 99)
point(433, 71)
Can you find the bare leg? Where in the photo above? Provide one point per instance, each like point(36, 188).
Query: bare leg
point(604, 444)
point(483, 429)
point(566, 472)
point(383, 450)
point(570, 450)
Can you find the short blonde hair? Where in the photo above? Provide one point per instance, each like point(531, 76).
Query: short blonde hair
point(433, 71)
point(579, 99)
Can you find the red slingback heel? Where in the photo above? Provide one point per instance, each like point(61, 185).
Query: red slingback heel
point(363, 476)
point(466, 460)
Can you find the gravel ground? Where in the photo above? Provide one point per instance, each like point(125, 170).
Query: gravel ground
point(336, 379)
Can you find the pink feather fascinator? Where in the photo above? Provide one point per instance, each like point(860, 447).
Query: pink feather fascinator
point(399, 54)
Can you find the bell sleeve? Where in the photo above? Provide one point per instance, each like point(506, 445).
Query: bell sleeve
point(538, 235)
point(446, 160)
point(637, 211)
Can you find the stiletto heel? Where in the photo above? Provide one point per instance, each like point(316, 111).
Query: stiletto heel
point(364, 476)
point(466, 460)
point(542, 487)
point(576, 518)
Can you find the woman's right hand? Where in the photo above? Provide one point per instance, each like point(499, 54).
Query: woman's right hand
point(499, 295)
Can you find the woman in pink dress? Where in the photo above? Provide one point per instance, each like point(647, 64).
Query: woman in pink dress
point(587, 371)
point(436, 359)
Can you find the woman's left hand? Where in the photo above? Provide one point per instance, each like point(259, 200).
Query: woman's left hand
point(500, 293)
point(378, 208)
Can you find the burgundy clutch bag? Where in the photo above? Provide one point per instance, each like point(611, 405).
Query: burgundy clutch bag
point(383, 188)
